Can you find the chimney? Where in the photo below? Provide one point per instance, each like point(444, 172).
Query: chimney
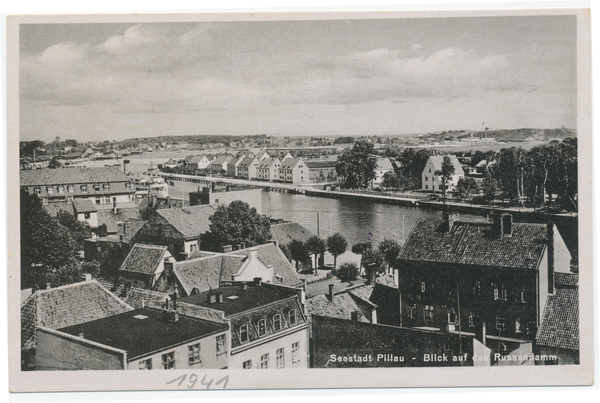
point(244, 287)
point(238, 246)
point(550, 230)
point(212, 297)
point(125, 224)
point(497, 230)
point(125, 163)
point(507, 225)
point(448, 221)
point(220, 297)
point(227, 248)
point(354, 316)
point(330, 295)
point(374, 316)
point(174, 298)
point(242, 245)
point(126, 288)
point(114, 205)
point(121, 237)
point(86, 277)
point(257, 281)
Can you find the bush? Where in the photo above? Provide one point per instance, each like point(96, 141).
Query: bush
point(347, 272)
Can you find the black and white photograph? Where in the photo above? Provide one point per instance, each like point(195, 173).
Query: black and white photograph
point(328, 195)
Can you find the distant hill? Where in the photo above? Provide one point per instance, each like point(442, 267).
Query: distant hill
point(519, 134)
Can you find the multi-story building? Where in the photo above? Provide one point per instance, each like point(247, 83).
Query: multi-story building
point(431, 181)
point(224, 195)
point(384, 165)
point(145, 263)
point(105, 187)
point(293, 170)
point(177, 228)
point(322, 171)
point(454, 274)
point(268, 327)
point(248, 168)
point(219, 164)
point(268, 169)
point(141, 339)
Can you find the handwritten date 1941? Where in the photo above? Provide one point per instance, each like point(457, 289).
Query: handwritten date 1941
point(193, 379)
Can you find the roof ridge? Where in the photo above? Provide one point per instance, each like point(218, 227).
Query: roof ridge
point(62, 287)
point(145, 245)
point(119, 300)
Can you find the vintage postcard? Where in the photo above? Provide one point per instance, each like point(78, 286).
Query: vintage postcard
point(328, 200)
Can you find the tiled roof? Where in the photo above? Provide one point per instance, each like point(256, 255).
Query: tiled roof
point(59, 207)
point(66, 306)
point(363, 292)
point(112, 220)
point(438, 160)
point(321, 164)
point(290, 163)
point(560, 323)
point(191, 221)
point(143, 259)
point(247, 161)
point(130, 228)
point(83, 206)
point(285, 232)
point(387, 281)
point(472, 243)
point(203, 273)
point(342, 307)
point(384, 164)
point(136, 295)
point(220, 160)
point(271, 255)
point(268, 162)
point(72, 175)
point(566, 279)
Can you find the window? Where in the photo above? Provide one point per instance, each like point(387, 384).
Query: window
point(243, 333)
point(49, 189)
point(277, 322)
point(426, 178)
point(426, 187)
point(37, 190)
point(70, 188)
point(261, 327)
point(422, 286)
point(518, 326)
point(471, 319)
point(194, 354)
point(61, 189)
point(83, 188)
point(410, 311)
point(98, 200)
point(429, 170)
point(295, 352)
point(216, 200)
point(280, 358)
point(428, 312)
point(87, 215)
point(520, 297)
point(500, 323)
point(452, 316)
point(221, 344)
point(500, 293)
point(292, 317)
point(477, 288)
point(168, 360)
point(264, 361)
point(96, 187)
point(146, 364)
point(247, 364)
point(106, 186)
point(441, 187)
point(106, 199)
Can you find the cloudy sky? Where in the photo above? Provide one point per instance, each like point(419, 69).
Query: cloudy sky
point(350, 77)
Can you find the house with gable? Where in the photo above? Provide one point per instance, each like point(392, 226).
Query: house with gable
point(384, 165)
point(63, 306)
point(232, 166)
point(248, 168)
point(268, 169)
point(432, 182)
point(144, 264)
point(219, 164)
point(293, 170)
point(178, 229)
point(501, 273)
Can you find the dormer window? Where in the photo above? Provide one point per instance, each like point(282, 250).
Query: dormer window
point(83, 188)
point(422, 286)
point(106, 186)
point(261, 327)
point(277, 322)
point(292, 317)
point(96, 187)
point(49, 189)
point(61, 189)
point(500, 293)
point(37, 190)
point(243, 333)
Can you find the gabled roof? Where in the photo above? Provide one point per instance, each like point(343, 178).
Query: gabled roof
point(83, 206)
point(268, 162)
point(341, 307)
point(72, 175)
point(560, 323)
point(438, 160)
point(112, 220)
point(66, 306)
point(143, 259)
point(384, 164)
point(290, 163)
point(285, 232)
point(247, 161)
point(472, 243)
point(130, 228)
point(566, 279)
point(208, 272)
point(190, 221)
point(220, 160)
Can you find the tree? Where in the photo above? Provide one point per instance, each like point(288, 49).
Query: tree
point(360, 248)
point(79, 230)
point(236, 224)
point(336, 245)
point(357, 166)
point(347, 272)
point(315, 246)
point(54, 163)
point(46, 246)
point(298, 252)
point(543, 159)
point(490, 189)
point(374, 263)
point(389, 249)
point(465, 187)
point(446, 173)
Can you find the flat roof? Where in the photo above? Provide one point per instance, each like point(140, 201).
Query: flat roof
point(145, 335)
point(243, 300)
